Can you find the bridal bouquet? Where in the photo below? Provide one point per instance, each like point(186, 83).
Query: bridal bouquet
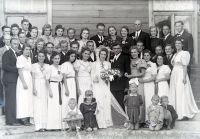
point(108, 75)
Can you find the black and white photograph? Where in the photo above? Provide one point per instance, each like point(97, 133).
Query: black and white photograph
point(99, 69)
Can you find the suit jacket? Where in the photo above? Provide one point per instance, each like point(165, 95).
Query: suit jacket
point(154, 43)
point(10, 73)
point(91, 60)
point(168, 40)
point(168, 61)
point(2, 51)
point(126, 45)
point(187, 42)
point(122, 64)
point(47, 61)
point(63, 58)
point(97, 40)
point(1, 42)
point(144, 37)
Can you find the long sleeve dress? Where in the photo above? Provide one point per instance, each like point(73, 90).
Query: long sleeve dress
point(24, 96)
point(163, 86)
point(40, 100)
point(181, 95)
point(54, 110)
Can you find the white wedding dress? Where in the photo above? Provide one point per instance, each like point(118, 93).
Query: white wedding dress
point(109, 111)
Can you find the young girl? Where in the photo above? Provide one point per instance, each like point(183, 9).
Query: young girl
point(74, 116)
point(88, 109)
point(132, 103)
point(155, 114)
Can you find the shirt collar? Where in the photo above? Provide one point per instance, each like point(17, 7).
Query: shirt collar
point(138, 32)
point(181, 33)
point(167, 36)
point(117, 56)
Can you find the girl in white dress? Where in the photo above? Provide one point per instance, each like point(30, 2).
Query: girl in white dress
point(40, 92)
point(24, 87)
point(83, 74)
point(109, 111)
point(84, 37)
point(181, 95)
point(54, 110)
point(162, 77)
point(69, 88)
point(148, 79)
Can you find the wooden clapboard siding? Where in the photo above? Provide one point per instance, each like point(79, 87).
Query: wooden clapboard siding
point(87, 13)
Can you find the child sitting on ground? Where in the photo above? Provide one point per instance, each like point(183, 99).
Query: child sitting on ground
point(74, 116)
point(132, 103)
point(88, 109)
point(170, 114)
point(155, 114)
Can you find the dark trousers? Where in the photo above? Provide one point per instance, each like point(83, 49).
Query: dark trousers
point(10, 103)
point(119, 96)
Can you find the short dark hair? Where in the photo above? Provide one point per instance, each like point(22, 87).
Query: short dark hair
point(74, 42)
point(54, 54)
point(146, 51)
point(12, 39)
point(100, 24)
point(24, 20)
point(13, 26)
point(179, 22)
point(25, 45)
point(139, 41)
point(3, 27)
point(71, 29)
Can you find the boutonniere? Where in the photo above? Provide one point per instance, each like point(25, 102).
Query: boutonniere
point(123, 42)
point(99, 41)
point(112, 60)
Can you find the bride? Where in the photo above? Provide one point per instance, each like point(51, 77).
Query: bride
point(108, 111)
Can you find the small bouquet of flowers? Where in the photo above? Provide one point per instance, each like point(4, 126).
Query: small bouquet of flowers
point(108, 75)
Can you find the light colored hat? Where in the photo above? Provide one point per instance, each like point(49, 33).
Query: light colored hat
point(134, 81)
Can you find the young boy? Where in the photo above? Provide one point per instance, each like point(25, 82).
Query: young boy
point(155, 114)
point(74, 116)
point(170, 114)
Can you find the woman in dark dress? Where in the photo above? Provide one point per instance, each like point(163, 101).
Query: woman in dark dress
point(127, 42)
point(155, 41)
point(88, 109)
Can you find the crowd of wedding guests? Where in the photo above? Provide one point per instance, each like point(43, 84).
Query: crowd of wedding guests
point(43, 73)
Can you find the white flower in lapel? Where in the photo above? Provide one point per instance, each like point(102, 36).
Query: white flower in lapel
point(112, 60)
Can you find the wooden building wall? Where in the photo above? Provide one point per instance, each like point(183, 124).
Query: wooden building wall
point(87, 13)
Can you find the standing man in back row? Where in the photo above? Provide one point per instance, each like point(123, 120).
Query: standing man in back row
point(140, 35)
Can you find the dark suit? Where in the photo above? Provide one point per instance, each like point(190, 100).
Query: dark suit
point(144, 37)
point(47, 60)
point(154, 43)
point(187, 42)
point(90, 58)
point(1, 42)
point(118, 85)
point(167, 61)
point(168, 40)
point(63, 58)
point(97, 40)
point(126, 45)
point(10, 76)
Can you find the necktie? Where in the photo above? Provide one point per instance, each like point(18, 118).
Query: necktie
point(137, 35)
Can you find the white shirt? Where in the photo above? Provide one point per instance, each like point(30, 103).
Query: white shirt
point(137, 33)
point(101, 37)
point(7, 47)
point(167, 36)
point(49, 57)
point(92, 56)
point(180, 34)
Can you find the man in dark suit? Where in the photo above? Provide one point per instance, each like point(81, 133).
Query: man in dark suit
point(49, 50)
point(120, 62)
point(64, 49)
point(141, 35)
point(169, 55)
point(167, 38)
point(90, 44)
point(22, 41)
point(187, 37)
point(99, 37)
point(25, 27)
point(6, 31)
point(71, 32)
point(10, 76)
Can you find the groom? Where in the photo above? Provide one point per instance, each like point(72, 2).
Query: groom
point(120, 62)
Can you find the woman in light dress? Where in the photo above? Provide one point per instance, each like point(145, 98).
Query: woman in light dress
point(138, 67)
point(163, 75)
point(54, 110)
point(24, 93)
point(83, 74)
point(40, 91)
point(47, 33)
point(181, 95)
point(148, 79)
point(108, 111)
point(69, 87)
point(84, 37)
